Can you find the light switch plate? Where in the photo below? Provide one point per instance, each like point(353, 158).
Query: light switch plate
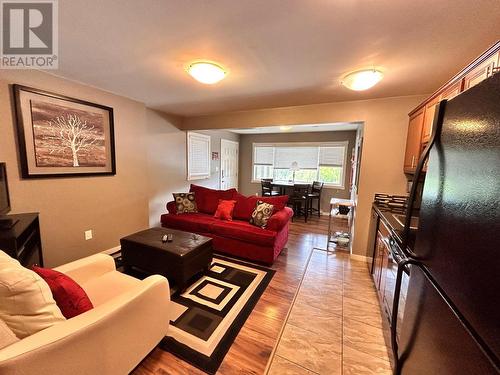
point(88, 234)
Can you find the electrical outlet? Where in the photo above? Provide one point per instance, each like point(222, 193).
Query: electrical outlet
point(88, 234)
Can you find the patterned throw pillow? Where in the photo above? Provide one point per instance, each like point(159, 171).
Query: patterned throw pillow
point(185, 203)
point(261, 214)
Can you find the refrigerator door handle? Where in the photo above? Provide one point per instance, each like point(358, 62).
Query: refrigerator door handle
point(436, 130)
point(395, 306)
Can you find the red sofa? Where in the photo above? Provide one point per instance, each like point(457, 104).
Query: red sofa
point(238, 237)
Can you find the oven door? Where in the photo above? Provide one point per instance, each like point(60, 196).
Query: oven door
point(405, 282)
point(396, 258)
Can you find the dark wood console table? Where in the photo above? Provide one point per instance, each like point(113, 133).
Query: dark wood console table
point(23, 241)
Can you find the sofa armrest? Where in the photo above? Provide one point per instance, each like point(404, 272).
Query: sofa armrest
point(88, 268)
point(171, 207)
point(109, 339)
point(279, 219)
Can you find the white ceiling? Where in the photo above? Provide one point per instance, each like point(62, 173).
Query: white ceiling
point(278, 52)
point(339, 126)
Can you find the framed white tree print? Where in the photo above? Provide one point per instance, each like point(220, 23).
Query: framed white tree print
point(61, 136)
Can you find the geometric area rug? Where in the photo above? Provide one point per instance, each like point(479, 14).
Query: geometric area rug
point(208, 315)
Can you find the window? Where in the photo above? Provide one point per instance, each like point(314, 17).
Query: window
point(198, 156)
point(301, 162)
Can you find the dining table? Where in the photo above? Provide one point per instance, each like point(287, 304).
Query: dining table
point(283, 186)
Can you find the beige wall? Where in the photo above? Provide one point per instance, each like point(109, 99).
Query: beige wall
point(246, 140)
point(150, 156)
point(386, 124)
point(150, 162)
point(166, 146)
point(112, 206)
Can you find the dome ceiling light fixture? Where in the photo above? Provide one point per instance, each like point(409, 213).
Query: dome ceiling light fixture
point(362, 79)
point(206, 72)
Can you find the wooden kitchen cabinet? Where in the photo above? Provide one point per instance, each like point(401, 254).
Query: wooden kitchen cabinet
point(422, 118)
point(413, 141)
point(452, 91)
point(429, 111)
point(481, 71)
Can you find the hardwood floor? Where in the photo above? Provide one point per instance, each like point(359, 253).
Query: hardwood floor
point(257, 339)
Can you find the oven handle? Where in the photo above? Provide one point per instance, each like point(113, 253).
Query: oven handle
point(465, 324)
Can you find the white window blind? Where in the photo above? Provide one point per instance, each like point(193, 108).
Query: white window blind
point(301, 162)
point(263, 155)
point(331, 156)
point(305, 157)
point(198, 150)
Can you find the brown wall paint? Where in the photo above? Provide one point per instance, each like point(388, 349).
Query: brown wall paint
point(112, 206)
point(246, 140)
point(385, 127)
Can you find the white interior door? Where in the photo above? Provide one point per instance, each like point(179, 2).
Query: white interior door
point(228, 164)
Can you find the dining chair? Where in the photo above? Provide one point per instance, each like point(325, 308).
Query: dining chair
point(267, 187)
point(315, 194)
point(299, 200)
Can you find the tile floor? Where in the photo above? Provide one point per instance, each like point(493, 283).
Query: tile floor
point(334, 325)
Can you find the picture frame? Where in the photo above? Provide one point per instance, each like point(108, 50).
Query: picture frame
point(60, 136)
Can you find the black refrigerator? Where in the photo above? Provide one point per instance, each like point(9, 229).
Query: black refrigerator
point(451, 321)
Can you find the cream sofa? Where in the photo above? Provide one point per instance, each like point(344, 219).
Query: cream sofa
point(129, 319)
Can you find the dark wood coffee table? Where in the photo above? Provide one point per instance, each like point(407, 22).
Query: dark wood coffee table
point(179, 260)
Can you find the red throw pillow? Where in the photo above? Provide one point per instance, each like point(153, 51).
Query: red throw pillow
point(69, 296)
point(207, 199)
point(244, 206)
point(225, 210)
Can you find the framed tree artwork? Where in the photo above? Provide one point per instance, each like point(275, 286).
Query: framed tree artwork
point(61, 136)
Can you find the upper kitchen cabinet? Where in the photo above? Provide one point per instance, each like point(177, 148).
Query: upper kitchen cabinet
point(422, 117)
point(429, 110)
point(481, 71)
point(413, 140)
point(451, 91)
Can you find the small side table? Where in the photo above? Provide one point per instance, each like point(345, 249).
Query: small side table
point(335, 203)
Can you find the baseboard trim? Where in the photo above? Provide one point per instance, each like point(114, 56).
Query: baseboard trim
point(361, 258)
point(112, 251)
